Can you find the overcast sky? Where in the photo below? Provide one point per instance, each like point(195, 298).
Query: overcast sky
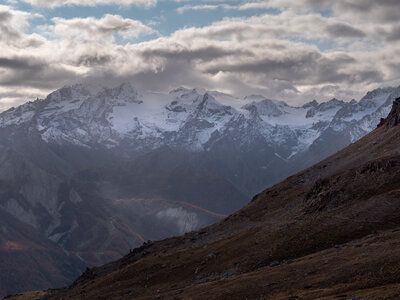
point(292, 50)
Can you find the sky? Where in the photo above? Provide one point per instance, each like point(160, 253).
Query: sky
point(291, 50)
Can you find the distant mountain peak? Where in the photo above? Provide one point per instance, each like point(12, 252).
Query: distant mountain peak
point(265, 107)
point(125, 88)
point(255, 97)
point(311, 104)
point(185, 90)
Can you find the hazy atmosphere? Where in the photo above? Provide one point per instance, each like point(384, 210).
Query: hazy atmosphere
point(290, 50)
point(204, 150)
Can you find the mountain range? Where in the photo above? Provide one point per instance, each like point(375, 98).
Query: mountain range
point(329, 232)
point(90, 172)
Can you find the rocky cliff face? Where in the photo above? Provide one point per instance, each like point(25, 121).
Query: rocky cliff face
point(394, 116)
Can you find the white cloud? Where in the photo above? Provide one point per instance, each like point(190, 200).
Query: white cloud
point(105, 28)
point(248, 5)
point(185, 8)
point(254, 5)
point(58, 3)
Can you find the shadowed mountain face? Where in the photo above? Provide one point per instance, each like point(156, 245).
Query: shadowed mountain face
point(327, 232)
point(24, 251)
point(97, 171)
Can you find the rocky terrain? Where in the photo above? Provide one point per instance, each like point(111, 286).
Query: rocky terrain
point(329, 232)
point(93, 172)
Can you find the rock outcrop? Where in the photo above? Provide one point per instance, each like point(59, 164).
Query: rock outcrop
point(393, 118)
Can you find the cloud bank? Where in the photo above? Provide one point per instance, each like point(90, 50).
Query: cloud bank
point(305, 50)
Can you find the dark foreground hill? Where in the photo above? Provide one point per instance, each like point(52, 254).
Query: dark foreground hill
point(329, 232)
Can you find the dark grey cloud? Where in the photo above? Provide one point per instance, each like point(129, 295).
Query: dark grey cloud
point(28, 71)
point(5, 16)
point(301, 68)
point(393, 34)
point(382, 10)
point(12, 94)
point(18, 63)
point(205, 53)
point(93, 60)
point(344, 30)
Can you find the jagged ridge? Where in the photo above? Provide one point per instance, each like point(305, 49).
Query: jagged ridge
point(94, 116)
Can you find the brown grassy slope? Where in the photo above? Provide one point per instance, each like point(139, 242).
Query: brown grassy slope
point(308, 236)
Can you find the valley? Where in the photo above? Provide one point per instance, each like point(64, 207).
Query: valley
point(93, 171)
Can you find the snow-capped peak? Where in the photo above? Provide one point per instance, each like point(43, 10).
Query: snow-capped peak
point(310, 104)
point(266, 107)
point(97, 116)
point(122, 93)
point(76, 91)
